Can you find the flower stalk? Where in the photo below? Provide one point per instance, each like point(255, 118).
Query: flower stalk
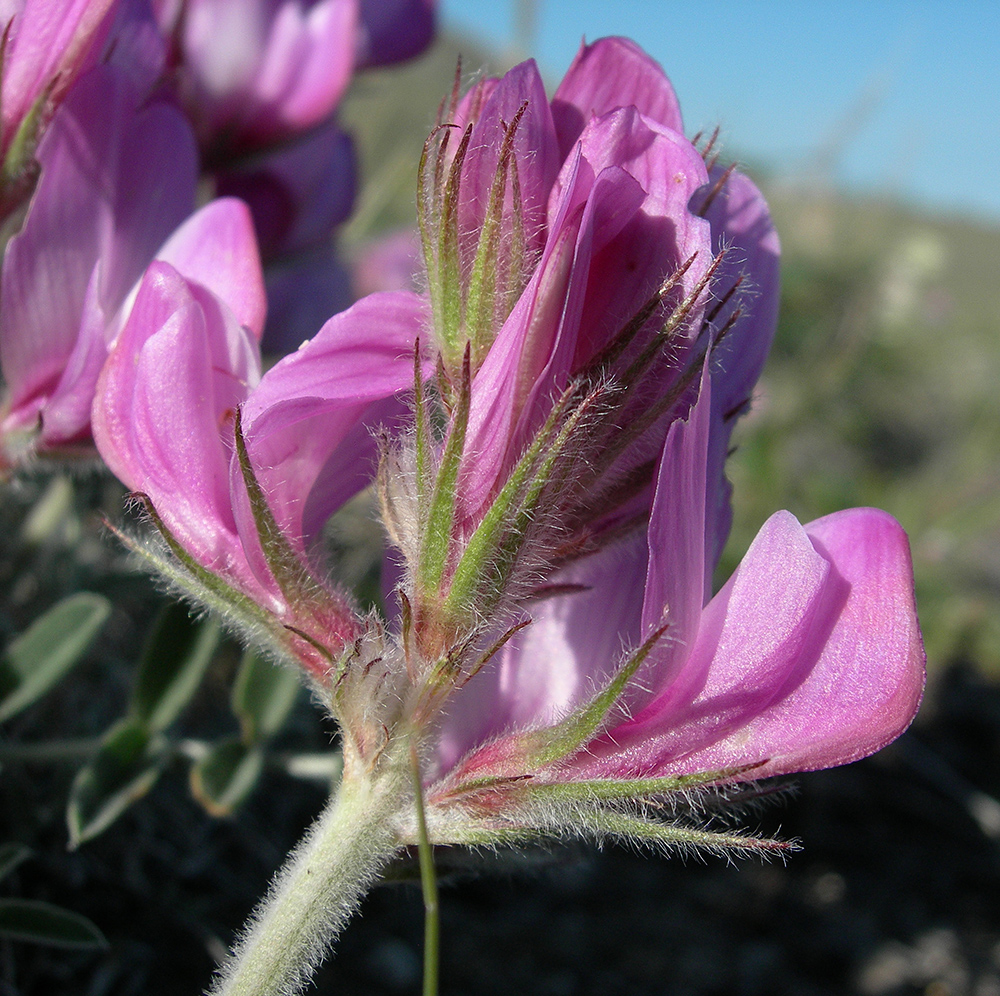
point(320, 887)
point(428, 882)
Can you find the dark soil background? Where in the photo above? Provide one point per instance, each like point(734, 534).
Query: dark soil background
point(896, 890)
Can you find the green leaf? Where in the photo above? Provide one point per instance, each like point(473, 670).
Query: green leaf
point(223, 779)
point(263, 696)
point(123, 770)
point(36, 660)
point(43, 923)
point(11, 855)
point(173, 663)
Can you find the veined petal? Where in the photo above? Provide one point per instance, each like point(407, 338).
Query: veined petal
point(536, 156)
point(314, 411)
point(568, 651)
point(675, 575)
point(65, 416)
point(114, 184)
point(612, 73)
point(741, 224)
point(531, 359)
point(216, 247)
point(658, 239)
point(809, 657)
point(162, 411)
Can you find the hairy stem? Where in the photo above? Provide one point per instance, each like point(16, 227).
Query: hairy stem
point(318, 889)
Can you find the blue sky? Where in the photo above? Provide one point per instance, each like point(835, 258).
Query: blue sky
point(905, 96)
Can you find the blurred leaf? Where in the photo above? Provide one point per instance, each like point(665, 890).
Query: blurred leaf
point(173, 663)
point(11, 855)
point(122, 770)
point(52, 513)
point(226, 775)
point(36, 660)
point(29, 920)
point(263, 696)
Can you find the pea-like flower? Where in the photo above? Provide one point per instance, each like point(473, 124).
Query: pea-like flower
point(601, 296)
point(45, 44)
point(116, 190)
point(604, 295)
point(256, 73)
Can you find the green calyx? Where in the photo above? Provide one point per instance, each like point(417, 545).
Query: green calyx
point(202, 586)
point(494, 550)
point(472, 286)
point(283, 561)
point(437, 512)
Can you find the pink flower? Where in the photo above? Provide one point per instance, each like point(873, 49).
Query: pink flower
point(810, 656)
point(48, 43)
point(584, 248)
point(603, 301)
point(254, 73)
point(244, 527)
point(116, 191)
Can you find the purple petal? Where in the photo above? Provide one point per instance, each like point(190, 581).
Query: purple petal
point(306, 66)
point(298, 193)
point(135, 44)
point(163, 405)
point(216, 247)
point(308, 424)
point(531, 359)
point(658, 239)
point(675, 576)
point(303, 290)
point(65, 416)
point(741, 225)
point(263, 70)
point(809, 657)
point(51, 42)
point(387, 263)
point(536, 155)
point(114, 184)
point(144, 164)
point(612, 73)
point(610, 246)
point(569, 650)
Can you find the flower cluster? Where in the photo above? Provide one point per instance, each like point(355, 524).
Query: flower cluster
point(115, 114)
point(549, 425)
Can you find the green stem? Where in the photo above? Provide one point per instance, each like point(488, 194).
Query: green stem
point(317, 891)
point(428, 884)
